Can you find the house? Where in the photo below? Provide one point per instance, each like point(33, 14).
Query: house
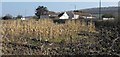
point(23, 18)
point(108, 18)
point(68, 15)
point(88, 17)
point(63, 16)
point(44, 16)
point(53, 15)
point(26, 18)
point(75, 16)
point(50, 14)
point(85, 15)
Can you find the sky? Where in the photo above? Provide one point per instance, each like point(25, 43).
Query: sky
point(0, 9)
point(59, 0)
point(28, 8)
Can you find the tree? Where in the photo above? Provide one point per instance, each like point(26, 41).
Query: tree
point(107, 16)
point(6, 17)
point(19, 16)
point(41, 10)
point(34, 17)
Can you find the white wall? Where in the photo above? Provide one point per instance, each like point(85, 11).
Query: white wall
point(76, 17)
point(23, 19)
point(108, 18)
point(64, 16)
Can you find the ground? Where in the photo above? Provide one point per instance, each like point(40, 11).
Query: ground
point(46, 38)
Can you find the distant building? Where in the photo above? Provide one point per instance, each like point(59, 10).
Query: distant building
point(23, 18)
point(76, 16)
point(83, 15)
point(108, 18)
point(88, 17)
point(63, 16)
point(53, 15)
point(44, 16)
point(68, 15)
point(26, 18)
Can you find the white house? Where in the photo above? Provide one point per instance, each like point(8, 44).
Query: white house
point(108, 18)
point(23, 18)
point(76, 17)
point(64, 16)
point(88, 16)
point(68, 15)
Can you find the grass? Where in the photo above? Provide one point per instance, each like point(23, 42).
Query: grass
point(27, 33)
point(73, 37)
point(43, 29)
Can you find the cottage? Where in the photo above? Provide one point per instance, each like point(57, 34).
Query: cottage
point(88, 17)
point(68, 15)
point(23, 18)
point(44, 16)
point(108, 18)
point(84, 15)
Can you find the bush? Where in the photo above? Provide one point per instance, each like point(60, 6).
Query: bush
point(108, 16)
point(6, 17)
point(19, 17)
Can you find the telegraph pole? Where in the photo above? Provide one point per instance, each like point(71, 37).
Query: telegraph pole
point(25, 13)
point(75, 7)
point(118, 10)
point(99, 9)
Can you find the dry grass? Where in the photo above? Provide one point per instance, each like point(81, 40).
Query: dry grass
point(15, 30)
point(17, 34)
point(23, 37)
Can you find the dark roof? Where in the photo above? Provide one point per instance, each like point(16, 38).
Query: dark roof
point(70, 14)
point(60, 14)
point(82, 14)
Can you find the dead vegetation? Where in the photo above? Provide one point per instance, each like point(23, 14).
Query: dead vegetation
point(43, 37)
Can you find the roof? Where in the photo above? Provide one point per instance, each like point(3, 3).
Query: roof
point(82, 14)
point(52, 13)
point(70, 14)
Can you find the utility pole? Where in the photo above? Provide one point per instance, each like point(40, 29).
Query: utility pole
point(25, 13)
point(75, 7)
point(118, 9)
point(99, 9)
point(18, 12)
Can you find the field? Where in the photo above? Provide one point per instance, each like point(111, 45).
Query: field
point(44, 37)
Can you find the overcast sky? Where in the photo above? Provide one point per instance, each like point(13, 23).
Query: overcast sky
point(28, 8)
